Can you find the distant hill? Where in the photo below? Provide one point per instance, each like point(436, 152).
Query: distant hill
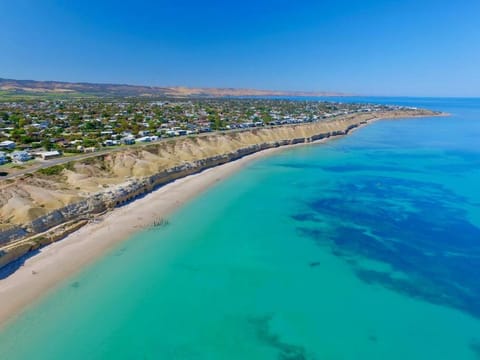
point(32, 88)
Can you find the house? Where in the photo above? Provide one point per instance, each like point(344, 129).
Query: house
point(128, 140)
point(110, 143)
point(47, 155)
point(7, 144)
point(3, 158)
point(205, 129)
point(75, 143)
point(91, 149)
point(20, 156)
point(143, 139)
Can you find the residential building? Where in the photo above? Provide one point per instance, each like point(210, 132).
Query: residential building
point(3, 158)
point(128, 141)
point(20, 156)
point(7, 145)
point(47, 155)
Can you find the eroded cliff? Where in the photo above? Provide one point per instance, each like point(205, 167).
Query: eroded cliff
point(34, 203)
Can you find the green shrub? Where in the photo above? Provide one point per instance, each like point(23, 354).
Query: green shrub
point(69, 166)
point(53, 170)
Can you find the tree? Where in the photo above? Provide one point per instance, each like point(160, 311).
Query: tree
point(26, 139)
point(15, 119)
point(46, 144)
point(89, 142)
point(267, 118)
point(17, 134)
point(215, 122)
point(152, 125)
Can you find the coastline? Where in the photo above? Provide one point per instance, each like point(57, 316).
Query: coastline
point(60, 260)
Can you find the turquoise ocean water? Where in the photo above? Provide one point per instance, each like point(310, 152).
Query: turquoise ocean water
point(366, 247)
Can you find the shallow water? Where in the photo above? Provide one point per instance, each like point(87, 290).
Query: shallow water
point(366, 247)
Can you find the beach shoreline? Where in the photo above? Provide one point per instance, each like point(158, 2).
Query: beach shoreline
point(59, 261)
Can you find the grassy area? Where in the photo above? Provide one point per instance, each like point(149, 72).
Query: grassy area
point(17, 166)
point(52, 170)
point(70, 154)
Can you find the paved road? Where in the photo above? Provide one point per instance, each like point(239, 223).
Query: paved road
point(40, 164)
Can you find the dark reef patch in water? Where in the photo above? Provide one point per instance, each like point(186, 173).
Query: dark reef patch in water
point(373, 338)
point(305, 217)
point(120, 251)
point(451, 168)
point(399, 157)
point(475, 347)
point(285, 351)
point(298, 165)
point(471, 157)
point(348, 168)
point(356, 168)
point(418, 228)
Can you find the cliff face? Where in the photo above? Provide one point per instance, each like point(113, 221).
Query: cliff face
point(36, 203)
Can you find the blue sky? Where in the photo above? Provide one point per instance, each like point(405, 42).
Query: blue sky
point(371, 47)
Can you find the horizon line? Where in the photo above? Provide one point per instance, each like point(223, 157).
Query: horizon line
point(336, 93)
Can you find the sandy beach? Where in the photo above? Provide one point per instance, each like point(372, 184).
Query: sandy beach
point(59, 261)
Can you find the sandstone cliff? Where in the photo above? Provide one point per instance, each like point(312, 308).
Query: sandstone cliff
point(51, 204)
